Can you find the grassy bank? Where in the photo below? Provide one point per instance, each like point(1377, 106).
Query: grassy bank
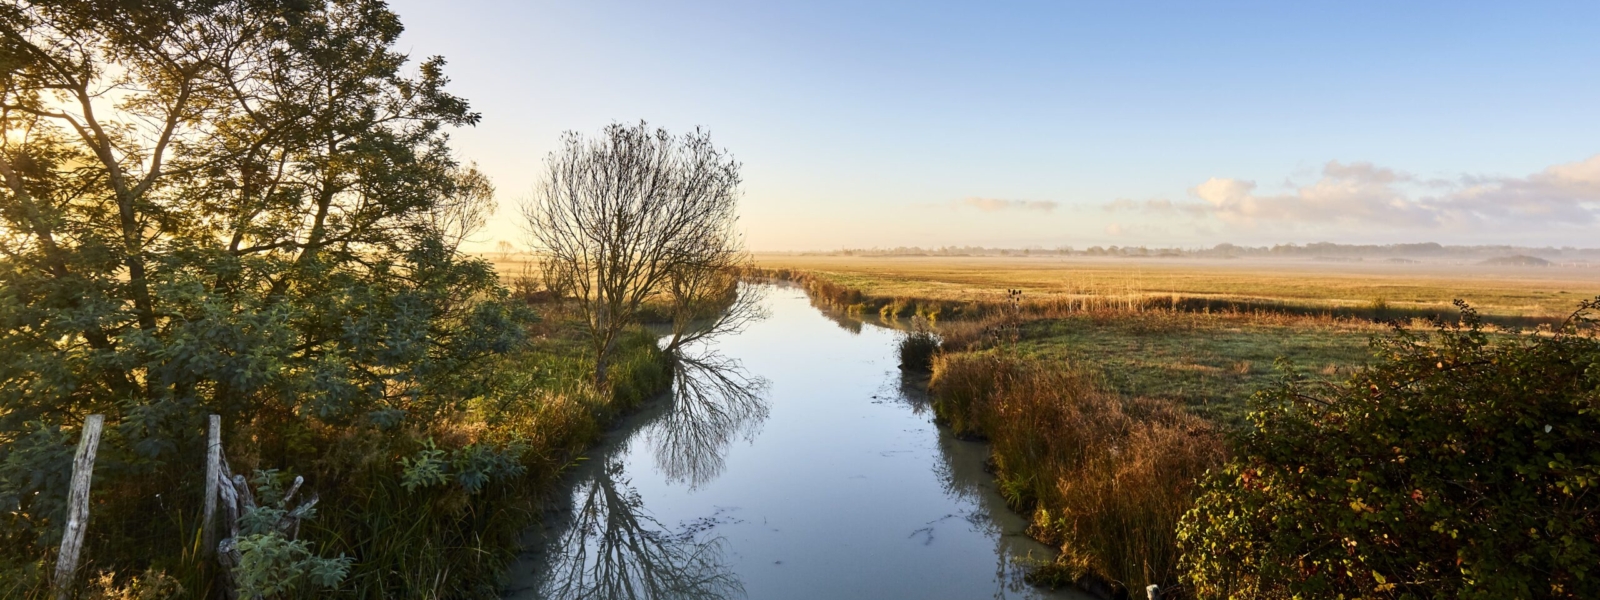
point(1104, 478)
point(429, 509)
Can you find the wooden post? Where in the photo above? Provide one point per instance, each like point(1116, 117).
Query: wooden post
point(208, 523)
point(77, 506)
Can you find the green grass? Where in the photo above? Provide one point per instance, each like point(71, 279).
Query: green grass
point(1208, 363)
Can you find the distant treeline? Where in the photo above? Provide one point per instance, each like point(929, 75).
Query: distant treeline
point(1312, 250)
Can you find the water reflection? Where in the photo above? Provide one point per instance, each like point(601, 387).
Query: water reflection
point(714, 400)
point(850, 491)
point(610, 546)
point(841, 318)
point(614, 549)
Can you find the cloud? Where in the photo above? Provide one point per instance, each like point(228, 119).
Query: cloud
point(997, 205)
point(1349, 193)
point(1566, 193)
point(1366, 195)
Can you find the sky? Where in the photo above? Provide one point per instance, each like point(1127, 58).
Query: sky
point(1057, 124)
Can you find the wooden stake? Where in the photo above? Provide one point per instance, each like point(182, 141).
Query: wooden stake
point(77, 506)
point(208, 523)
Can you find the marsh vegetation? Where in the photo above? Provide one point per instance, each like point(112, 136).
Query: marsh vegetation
point(1135, 435)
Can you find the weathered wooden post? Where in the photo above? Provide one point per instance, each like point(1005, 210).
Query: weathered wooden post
point(208, 523)
point(77, 506)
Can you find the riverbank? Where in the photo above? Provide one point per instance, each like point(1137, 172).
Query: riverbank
point(1103, 478)
point(454, 540)
point(430, 502)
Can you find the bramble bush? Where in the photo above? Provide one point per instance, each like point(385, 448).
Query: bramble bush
point(1458, 465)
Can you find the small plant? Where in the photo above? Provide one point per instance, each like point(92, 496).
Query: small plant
point(918, 345)
point(268, 559)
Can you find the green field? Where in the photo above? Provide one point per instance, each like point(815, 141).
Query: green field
point(1211, 364)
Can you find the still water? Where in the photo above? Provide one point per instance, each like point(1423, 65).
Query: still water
point(792, 461)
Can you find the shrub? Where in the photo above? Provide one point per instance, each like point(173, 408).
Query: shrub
point(1105, 478)
point(1456, 466)
point(918, 345)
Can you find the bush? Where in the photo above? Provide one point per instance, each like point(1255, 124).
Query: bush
point(918, 345)
point(1456, 466)
point(1105, 478)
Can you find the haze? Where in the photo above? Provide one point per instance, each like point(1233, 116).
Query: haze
point(1063, 123)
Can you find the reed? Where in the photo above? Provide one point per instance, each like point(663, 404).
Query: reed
point(1104, 478)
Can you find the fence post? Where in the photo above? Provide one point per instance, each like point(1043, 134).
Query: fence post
point(208, 523)
point(77, 506)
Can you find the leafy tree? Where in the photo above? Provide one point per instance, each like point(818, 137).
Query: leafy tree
point(1460, 465)
point(244, 207)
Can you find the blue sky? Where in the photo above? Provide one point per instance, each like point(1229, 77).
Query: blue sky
point(1052, 124)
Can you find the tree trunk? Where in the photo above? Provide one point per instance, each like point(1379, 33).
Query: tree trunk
point(77, 506)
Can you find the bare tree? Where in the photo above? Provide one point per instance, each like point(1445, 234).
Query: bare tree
point(465, 209)
point(706, 298)
point(620, 217)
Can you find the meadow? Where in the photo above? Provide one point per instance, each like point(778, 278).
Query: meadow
point(1526, 292)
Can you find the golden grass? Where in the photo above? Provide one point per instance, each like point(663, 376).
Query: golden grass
point(1496, 291)
point(1105, 478)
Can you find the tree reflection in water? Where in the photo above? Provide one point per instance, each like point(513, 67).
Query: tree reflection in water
point(615, 550)
point(714, 400)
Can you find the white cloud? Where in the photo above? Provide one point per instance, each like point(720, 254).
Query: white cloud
point(1348, 193)
point(1366, 195)
point(997, 204)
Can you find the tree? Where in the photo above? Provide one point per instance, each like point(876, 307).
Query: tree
point(634, 215)
point(1460, 465)
point(243, 207)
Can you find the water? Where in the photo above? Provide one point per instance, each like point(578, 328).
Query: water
point(793, 461)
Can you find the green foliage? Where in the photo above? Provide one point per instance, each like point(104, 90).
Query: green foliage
point(258, 227)
point(471, 466)
point(272, 565)
point(1459, 465)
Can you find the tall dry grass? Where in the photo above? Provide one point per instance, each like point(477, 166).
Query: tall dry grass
point(1105, 478)
point(1112, 303)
